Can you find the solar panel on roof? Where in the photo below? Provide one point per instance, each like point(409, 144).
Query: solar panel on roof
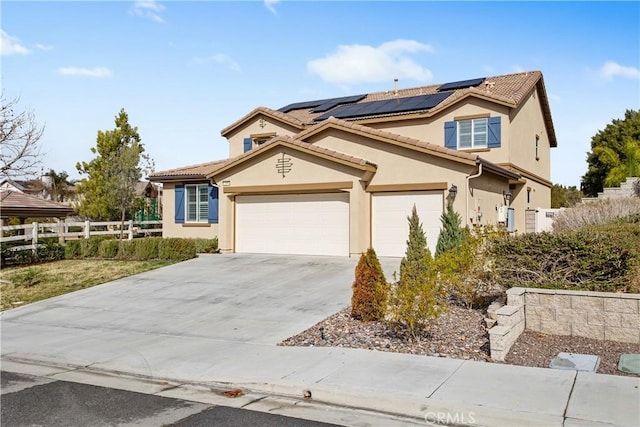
point(329, 104)
point(461, 84)
point(388, 106)
point(301, 105)
point(321, 105)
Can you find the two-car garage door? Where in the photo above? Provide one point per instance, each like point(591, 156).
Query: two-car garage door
point(305, 224)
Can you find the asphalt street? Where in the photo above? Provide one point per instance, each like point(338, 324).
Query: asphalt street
point(29, 400)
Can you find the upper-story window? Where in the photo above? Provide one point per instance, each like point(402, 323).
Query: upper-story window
point(470, 133)
point(537, 147)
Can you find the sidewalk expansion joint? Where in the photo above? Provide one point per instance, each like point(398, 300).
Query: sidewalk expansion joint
point(445, 380)
point(566, 408)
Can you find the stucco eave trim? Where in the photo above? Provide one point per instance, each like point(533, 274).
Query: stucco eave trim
point(421, 186)
point(288, 188)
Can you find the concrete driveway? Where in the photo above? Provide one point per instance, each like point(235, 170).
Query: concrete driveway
point(243, 298)
point(186, 317)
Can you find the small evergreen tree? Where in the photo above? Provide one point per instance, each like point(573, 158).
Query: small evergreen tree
point(418, 297)
point(414, 264)
point(369, 299)
point(452, 235)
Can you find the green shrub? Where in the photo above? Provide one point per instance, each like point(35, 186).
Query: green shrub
point(146, 248)
point(176, 249)
point(126, 250)
point(452, 234)
point(370, 293)
point(466, 271)
point(108, 249)
point(206, 246)
point(604, 258)
point(90, 246)
point(72, 249)
point(51, 251)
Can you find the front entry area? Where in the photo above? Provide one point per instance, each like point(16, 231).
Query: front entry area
point(302, 224)
point(390, 227)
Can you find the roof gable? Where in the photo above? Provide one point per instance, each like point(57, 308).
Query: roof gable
point(285, 141)
point(276, 115)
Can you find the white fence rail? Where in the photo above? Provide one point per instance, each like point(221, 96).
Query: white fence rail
point(33, 233)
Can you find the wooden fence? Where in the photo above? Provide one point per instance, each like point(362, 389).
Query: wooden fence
point(12, 235)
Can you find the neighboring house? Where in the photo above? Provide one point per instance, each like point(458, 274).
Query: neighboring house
point(336, 176)
point(26, 187)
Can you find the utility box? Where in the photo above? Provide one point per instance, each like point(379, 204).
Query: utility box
point(502, 214)
point(511, 220)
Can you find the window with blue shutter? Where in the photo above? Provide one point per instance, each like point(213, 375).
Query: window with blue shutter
point(213, 204)
point(450, 135)
point(472, 133)
point(179, 204)
point(248, 143)
point(494, 132)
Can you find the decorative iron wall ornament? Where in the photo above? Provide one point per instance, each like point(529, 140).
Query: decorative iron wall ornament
point(262, 123)
point(284, 165)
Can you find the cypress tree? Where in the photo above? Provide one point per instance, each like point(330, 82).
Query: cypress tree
point(452, 233)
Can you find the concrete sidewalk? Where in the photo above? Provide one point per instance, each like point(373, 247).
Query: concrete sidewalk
point(182, 330)
point(455, 391)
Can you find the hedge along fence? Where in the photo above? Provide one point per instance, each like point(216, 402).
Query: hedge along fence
point(148, 248)
point(603, 258)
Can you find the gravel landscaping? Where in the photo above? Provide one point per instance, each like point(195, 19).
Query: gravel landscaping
point(459, 333)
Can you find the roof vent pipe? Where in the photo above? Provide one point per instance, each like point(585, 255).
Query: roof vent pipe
point(395, 86)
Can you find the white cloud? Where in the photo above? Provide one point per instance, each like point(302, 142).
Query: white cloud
point(44, 47)
point(360, 63)
point(612, 69)
point(100, 72)
point(218, 58)
point(149, 9)
point(11, 45)
point(271, 5)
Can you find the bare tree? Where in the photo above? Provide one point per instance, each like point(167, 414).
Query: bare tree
point(19, 141)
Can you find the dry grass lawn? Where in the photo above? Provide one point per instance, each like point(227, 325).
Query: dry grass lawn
point(24, 285)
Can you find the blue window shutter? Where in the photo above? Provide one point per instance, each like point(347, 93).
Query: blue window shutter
point(248, 142)
point(450, 135)
point(213, 204)
point(494, 131)
point(179, 214)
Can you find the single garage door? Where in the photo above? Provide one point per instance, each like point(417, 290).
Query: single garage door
point(390, 224)
point(305, 224)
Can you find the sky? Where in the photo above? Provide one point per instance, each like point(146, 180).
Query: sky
point(185, 70)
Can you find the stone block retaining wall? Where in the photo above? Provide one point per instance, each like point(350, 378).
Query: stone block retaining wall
point(596, 315)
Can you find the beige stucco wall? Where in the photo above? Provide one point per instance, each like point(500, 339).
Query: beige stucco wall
point(306, 169)
point(431, 129)
point(236, 138)
point(526, 123)
point(171, 229)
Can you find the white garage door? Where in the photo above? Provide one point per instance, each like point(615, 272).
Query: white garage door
point(390, 224)
point(305, 224)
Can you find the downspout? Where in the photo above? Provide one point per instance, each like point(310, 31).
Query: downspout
point(466, 194)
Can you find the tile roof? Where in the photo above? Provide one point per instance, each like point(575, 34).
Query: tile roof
point(294, 121)
point(381, 134)
point(201, 170)
point(19, 204)
point(507, 89)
